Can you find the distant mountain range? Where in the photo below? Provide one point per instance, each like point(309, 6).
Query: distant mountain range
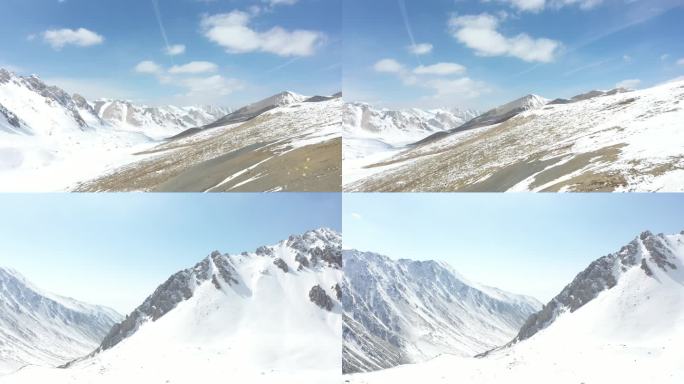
point(50, 140)
point(274, 314)
point(405, 311)
point(619, 320)
point(615, 140)
point(40, 328)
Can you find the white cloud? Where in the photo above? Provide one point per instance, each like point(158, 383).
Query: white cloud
point(176, 49)
point(464, 87)
point(629, 84)
point(273, 3)
point(528, 5)
point(680, 61)
point(440, 69)
point(627, 58)
point(149, 67)
point(213, 85)
point(479, 32)
point(389, 66)
point(664, 57)
point(458, 89)
point(196, 88)
point(232, 31)
point(81, 37)
point(420, 49)
point(356, 216)
point(538, 5)
point(194, 67)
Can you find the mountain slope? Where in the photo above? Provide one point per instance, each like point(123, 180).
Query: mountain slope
point(51, 141)
point(620, 320)
point(39, 328)
point(370, 134)
point(268, 316)
point(406, 311)
point(293, 147)
point(156, 122)
point(610, 141)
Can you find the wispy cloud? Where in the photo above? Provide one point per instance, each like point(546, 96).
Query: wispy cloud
point(414, 47)
point(81, 37)
point(587, 66)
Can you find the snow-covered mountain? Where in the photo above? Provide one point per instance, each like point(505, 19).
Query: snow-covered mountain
point(255, 109)
point(621, 320)
point(370, 134)
point(40, 328)
point(51, 141)
point(290, 147)
point(400, 127)
point(269, 316)
point(406, 311)
point(505, 112)
point(614, 140)
point(157, 122)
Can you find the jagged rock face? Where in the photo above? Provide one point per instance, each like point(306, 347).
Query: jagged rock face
point(280, 263)
point(374, 353)
point(318, 296)
point(313, 247)
point(40, 328)
point(646, 252)
point(216, 268)
point(14, 122)
point(386, 300)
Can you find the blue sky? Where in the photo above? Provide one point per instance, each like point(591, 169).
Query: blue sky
point(499, 50)
point(243, 50)
point(115, 249)
point(533, 244)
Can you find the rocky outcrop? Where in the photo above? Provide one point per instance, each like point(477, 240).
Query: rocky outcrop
point(320, 297)
point(280, 263)
point(601, 275)
point(179, 287)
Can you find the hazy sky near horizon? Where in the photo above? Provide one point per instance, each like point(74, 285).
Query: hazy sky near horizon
point(221, 52)
point(483, 53)
point(526, 243)
point(115, 249)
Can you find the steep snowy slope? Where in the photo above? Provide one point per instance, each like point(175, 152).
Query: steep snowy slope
point(294, 147)
point(406, 311)
point(269, 316)
point(614, 141)
point(370, 135)
point(255, 109)
point(39, 328)
point(156, 122)
point(621, 320)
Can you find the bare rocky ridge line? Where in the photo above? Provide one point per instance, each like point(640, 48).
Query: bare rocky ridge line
point(219, 269)
point(602, 274)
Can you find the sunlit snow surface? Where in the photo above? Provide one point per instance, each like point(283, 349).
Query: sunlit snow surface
point(631, 141)
point(631, 333)
point(262, 330)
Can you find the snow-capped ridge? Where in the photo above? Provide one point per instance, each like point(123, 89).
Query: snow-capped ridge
point(44, 329)
point(647, 252)
point(407, 311)
point(313, 250)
